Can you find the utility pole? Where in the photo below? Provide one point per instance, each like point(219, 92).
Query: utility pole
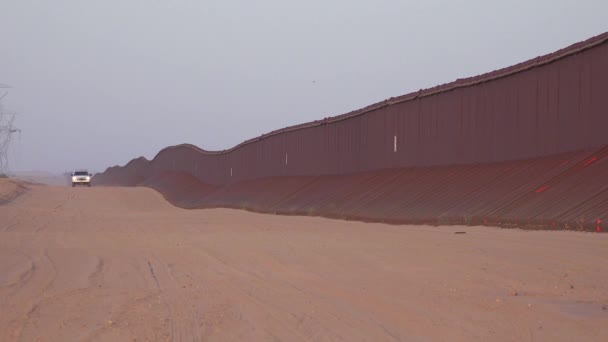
point(7, 129)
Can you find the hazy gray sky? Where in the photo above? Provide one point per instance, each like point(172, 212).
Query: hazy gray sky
point(97, 83)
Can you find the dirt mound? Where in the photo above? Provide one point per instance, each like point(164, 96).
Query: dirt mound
point(11, 189)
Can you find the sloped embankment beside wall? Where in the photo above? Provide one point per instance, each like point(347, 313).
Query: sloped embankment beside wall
point(569, 191)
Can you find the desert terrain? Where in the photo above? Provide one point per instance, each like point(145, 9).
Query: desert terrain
point(122, 264)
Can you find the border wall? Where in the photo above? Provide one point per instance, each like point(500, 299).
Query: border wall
point(537, 125)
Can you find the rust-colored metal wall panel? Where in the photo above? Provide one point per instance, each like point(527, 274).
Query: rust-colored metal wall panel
point(598, 100)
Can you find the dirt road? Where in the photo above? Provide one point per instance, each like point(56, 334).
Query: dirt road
point(119, 264)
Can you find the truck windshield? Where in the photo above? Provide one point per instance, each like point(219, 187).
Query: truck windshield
point(81, 173)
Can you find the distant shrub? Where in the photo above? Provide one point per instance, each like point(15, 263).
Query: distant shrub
point(3, 175)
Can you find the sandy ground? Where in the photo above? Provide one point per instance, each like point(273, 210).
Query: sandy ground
point(121, 264)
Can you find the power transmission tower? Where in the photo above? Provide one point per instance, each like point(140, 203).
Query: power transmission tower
point(7, 130)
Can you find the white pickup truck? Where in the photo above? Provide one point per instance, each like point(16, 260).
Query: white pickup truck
point(81, 177)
